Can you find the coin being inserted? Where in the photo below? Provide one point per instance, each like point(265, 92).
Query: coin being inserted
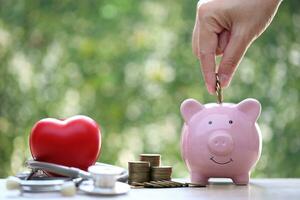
point(219, 92)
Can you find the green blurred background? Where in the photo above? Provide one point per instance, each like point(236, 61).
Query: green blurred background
point(128, 64)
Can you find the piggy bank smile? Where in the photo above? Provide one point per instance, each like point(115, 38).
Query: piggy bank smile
point(220, 162)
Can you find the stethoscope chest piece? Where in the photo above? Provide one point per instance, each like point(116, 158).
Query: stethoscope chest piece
point(104, 182)
point(89, 188)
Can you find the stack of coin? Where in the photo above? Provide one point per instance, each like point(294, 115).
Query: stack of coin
point(139, 171)
point(153, 159)
point(161, 173)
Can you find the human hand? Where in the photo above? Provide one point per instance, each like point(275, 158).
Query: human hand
point(227, 28)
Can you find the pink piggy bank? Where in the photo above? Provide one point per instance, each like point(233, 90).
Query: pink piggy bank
point(220, 140)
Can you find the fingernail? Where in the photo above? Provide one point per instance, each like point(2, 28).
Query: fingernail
point(211, 90)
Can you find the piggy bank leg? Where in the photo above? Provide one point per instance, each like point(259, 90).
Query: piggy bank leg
point(241, 179)
point(199, 179)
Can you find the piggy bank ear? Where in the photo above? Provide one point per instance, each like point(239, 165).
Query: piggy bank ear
point(189, 108)
point(251, 107)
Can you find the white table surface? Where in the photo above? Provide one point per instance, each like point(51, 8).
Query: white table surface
point(287, 189)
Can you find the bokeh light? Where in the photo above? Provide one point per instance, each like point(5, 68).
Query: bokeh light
point(129, 64)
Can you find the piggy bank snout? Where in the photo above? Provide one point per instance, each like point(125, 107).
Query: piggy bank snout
point(220, 143)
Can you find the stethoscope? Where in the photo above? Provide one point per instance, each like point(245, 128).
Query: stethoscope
point(101, 179)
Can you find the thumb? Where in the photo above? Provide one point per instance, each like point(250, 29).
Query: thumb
point(233, 53)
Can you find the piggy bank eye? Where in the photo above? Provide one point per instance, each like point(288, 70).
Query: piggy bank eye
point(210, 122)
point(230, 121)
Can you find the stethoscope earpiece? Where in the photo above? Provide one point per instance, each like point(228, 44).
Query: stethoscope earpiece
point(68, 189)
point(13, 183)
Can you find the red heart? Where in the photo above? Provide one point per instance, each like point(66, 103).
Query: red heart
point(74, 142)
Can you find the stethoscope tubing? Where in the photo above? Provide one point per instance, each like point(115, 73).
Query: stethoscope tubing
point(71, 172)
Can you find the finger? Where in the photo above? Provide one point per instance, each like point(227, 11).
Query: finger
point(195, 39)
point(204, 50)
point(208, 42)
point(234, 51)
point(205, 39)
point(207, 67)
point(223, 39)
